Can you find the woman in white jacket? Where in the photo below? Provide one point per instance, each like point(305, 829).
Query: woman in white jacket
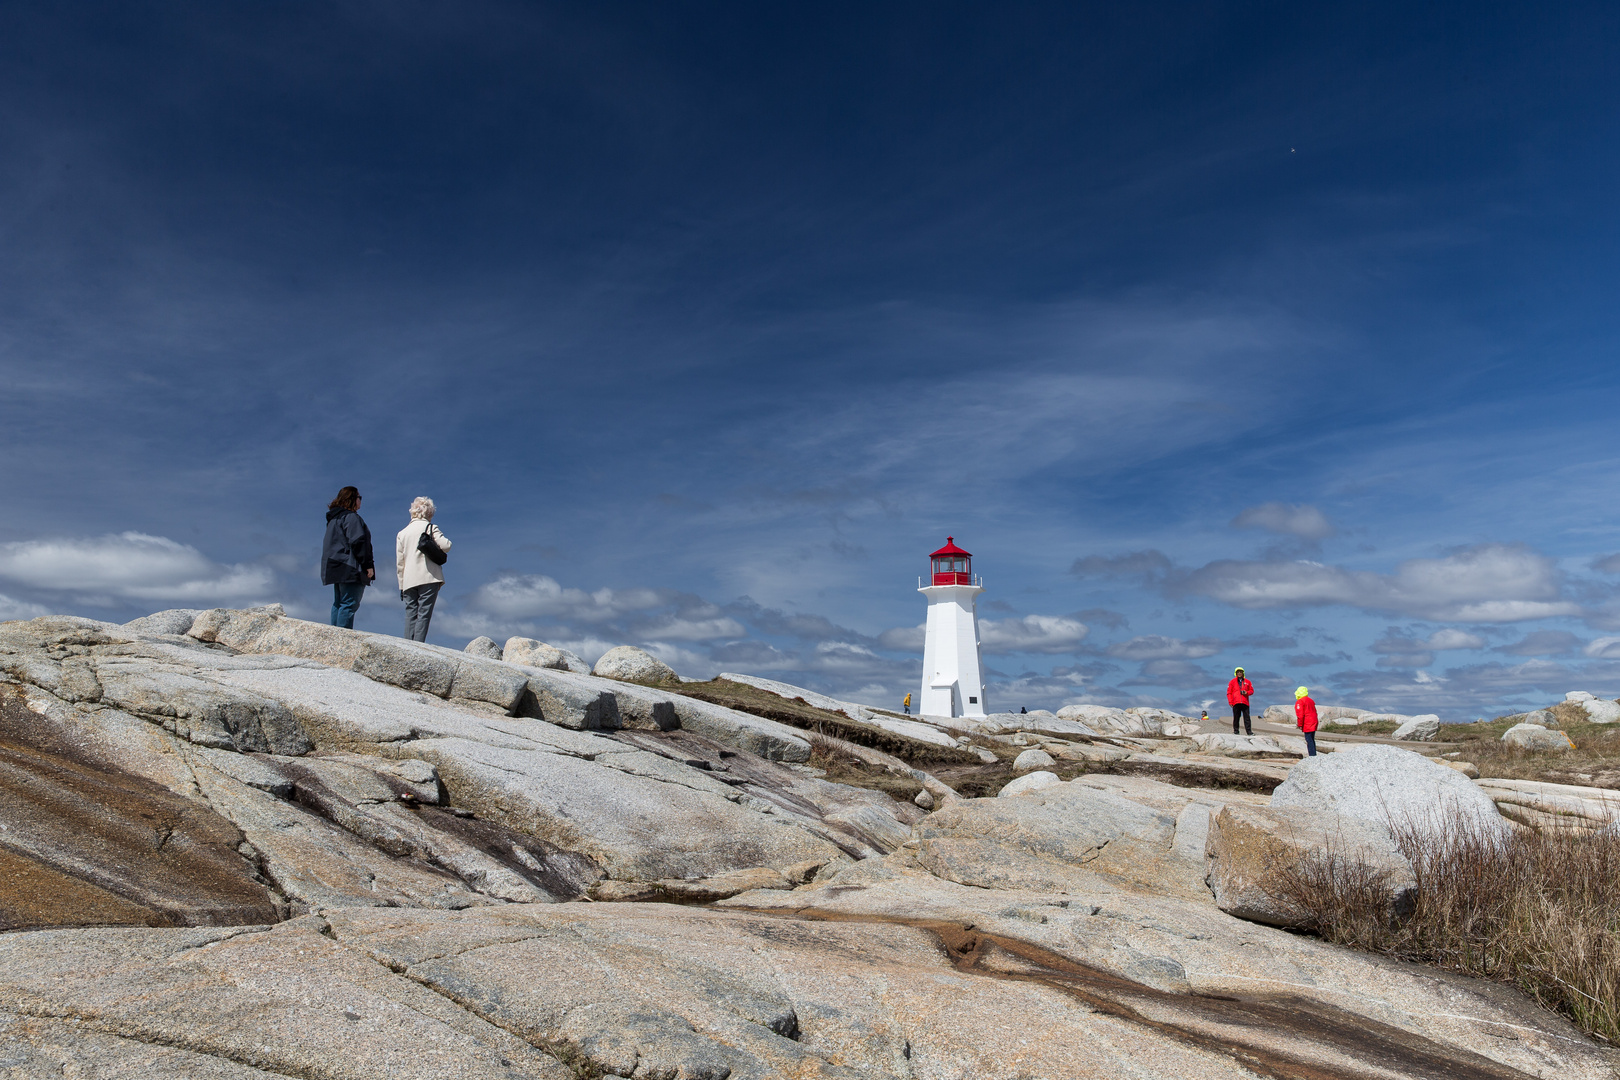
point(420, 578)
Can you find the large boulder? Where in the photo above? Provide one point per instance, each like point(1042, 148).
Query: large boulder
point(1578, 696)
point(1601, 711)
point(537, 654)
point(484, 647)
point(1392, 787)
point(1266, 864)
point(1032, 759)
point(630, 664)
point(1418, 729)
point(1536, 737)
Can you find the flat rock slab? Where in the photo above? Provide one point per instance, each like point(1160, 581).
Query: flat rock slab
point(288, 1001)
point(1307, 1009)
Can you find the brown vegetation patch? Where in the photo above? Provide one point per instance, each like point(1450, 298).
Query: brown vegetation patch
point(1595, 761)
point(1539, 910)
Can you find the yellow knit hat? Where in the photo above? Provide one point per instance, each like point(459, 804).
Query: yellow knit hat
point(1301, 692)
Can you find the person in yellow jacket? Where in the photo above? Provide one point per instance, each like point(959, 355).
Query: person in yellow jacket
point(906, 705)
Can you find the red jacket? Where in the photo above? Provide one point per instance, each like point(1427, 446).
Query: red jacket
point(1239, 691)
point(1305, 714)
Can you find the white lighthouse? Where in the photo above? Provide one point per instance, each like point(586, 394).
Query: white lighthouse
point(953, 680)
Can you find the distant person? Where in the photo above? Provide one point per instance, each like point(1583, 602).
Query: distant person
point(1238, 693)
point(420, 576)
point(346, 561)
point(1021, 709)
point(906, 705)
point(1305, 718)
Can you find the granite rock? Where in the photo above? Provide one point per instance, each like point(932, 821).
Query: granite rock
point(631, 664)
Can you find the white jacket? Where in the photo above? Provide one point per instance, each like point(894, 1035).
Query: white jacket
point(413, 566)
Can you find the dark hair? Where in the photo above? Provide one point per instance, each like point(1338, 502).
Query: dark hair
point(347, 499)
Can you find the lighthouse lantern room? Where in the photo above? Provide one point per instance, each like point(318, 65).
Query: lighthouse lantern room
point(953, 680)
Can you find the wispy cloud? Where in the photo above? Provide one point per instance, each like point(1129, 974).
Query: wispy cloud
point(1305, 522)
point(132, 566)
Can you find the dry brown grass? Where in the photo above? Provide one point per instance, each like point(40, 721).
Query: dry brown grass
point(1538, 910)
point(1595, 761)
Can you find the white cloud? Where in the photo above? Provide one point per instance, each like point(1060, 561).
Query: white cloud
point(679, 629)
point(1032, 633)
point(1486, 583)
point(1155, 647)
point(1603, 648)
point(906, 638)
point(11, 608)
point(1454, 639)
point(528, 596)
point(1305, 522)
point(133, 566)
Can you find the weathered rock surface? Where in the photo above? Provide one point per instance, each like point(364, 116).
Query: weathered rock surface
point(1171, 950)
point(1257, 854)
point(1388, 786)
point(632, 665)
point(421, 817)
point(1537, 737)
point(532, 653)
point(1542, 805)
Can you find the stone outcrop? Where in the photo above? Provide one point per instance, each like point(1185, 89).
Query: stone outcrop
point(335, 855)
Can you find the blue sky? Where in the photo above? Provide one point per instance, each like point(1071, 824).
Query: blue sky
point(1219, 333)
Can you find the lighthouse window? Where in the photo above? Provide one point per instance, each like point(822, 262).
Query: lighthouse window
point(973, 701)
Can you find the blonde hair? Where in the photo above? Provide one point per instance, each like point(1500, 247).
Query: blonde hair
point(422, 508)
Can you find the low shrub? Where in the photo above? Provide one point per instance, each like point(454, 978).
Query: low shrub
point(1540, 910)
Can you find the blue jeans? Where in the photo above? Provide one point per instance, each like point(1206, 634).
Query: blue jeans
point(345, 602)
point(1310, 744)
point(419, 609)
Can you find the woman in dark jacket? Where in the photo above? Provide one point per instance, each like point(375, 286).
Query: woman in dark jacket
point(346, 562)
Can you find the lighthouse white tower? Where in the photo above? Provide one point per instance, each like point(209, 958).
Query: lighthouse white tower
point(953, 680)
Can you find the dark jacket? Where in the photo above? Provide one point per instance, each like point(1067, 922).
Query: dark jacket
point(346, 552)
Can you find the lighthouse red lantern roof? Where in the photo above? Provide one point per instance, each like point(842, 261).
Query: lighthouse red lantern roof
point(951, 565)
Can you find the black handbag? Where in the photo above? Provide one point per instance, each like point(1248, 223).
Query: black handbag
point(430, 547)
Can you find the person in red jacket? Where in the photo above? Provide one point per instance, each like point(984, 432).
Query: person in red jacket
point(1238, 693)
point(1305, 718)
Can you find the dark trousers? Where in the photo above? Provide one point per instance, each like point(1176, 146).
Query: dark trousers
point(419, 609)
point(1243, 711)
point(346, 601)
point(1310, 744)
